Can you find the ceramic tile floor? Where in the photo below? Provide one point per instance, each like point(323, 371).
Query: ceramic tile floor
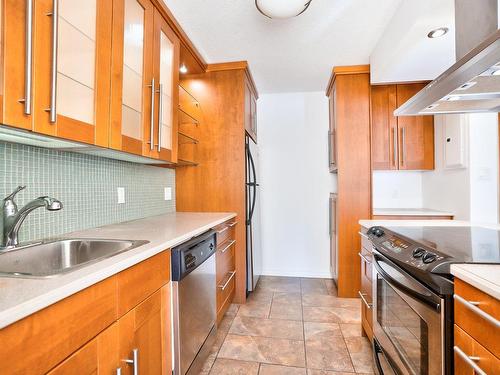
point(291, 326)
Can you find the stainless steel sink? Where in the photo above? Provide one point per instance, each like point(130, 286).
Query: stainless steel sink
point(53, 258)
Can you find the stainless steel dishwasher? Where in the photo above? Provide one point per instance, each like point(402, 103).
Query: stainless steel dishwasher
point(194, 302)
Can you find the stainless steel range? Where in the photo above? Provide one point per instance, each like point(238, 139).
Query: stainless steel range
point(413, 293)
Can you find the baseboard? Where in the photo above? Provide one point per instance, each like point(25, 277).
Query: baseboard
point(288, 273)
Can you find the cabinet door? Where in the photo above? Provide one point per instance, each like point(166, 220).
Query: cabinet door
point(253, 114)
point(416, 134)
point(333, 235)
point(332, 134)
point(72, 56)
point(98, 357)
point(166, 72)
point(16, 103)
point(384, 127)
point(144, 335)
point(250, 109)
point(132, 89)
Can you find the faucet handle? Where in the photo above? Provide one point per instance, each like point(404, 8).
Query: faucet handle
point(13, 194)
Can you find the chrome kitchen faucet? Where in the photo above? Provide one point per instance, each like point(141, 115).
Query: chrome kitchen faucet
point(12, 218)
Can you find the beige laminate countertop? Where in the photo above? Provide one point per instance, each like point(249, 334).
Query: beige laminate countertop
point(409, 212)
point(22, 297)
point(485, 277)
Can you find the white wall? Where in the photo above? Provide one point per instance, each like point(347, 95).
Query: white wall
point(446, 189)
point(471, 192)
point(295, 184)
point(405, 53)
point(397, 189)
point(484, 167)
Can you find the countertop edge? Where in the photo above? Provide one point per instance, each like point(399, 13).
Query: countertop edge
point(477, 281)
point(409, 212)
point(31, 306)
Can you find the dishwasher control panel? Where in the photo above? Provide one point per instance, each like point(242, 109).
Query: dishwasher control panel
point(187, 257)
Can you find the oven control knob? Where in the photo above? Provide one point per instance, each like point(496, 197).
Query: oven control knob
point(377, 232)
point(418, 252)
point(429, 257)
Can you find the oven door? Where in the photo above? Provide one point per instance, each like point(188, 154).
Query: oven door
point(407, 320)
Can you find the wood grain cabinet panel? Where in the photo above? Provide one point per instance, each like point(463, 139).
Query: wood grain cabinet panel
point(137, 283)
point(99, 357)
point(465, 345)
point(75, 82)
point(405, 142)
point(38, 342)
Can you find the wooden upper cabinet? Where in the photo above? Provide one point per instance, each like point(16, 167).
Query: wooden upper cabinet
point(332, 139)
point(416, 134)
point(132, 94)
point(384, 127)
point(405, 142)
point(71, 69)
point(166, 73)
point(250, 112)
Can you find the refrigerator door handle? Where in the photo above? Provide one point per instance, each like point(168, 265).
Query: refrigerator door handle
point(253, 184)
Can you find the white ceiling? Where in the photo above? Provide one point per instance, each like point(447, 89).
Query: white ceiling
point(286, 55)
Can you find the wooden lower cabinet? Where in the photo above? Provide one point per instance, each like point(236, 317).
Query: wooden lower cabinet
point(225, 266)
point(87, 333)
point(366, 292)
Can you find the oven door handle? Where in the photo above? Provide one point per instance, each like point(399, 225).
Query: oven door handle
point(377, 352)
point(427, 299)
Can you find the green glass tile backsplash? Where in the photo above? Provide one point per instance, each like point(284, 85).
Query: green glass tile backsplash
point(86, 185)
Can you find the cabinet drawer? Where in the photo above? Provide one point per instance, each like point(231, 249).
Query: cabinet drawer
point(137, 283)
point(366, 287)
point(466, 346)
point(225, 258)
point(225, 287)
point(38, 342)
point(472, 321)
point(225, 231)
point(365, 243)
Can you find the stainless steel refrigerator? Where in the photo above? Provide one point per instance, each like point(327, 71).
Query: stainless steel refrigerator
point(254, 247)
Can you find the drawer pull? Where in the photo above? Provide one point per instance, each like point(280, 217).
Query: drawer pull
point(362, 296)
point(365, 258)
point(473, 307)
point(222, 287)
point(471, 361)
point(232, 224)
point(363, 235)
point(134, 362)
point(231, 243)
point(222, 230)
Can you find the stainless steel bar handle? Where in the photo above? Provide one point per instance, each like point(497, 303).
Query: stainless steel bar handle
point(222, 230)
point(53, 74)
point(230, 225)
point(362, 296)
point(473, 307)
point(469, 360)
point(134, 361)
point(231, 243)
point(119, 371)
point(365, 258)
point(222, 287)
point(152, 126)
point(160, 114)
point(403, 146)
point(394, 146)
point(28, 64)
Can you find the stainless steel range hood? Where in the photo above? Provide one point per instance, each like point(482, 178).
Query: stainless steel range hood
point(472, 84)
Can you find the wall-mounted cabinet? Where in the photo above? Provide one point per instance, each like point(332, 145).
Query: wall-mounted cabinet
point(99, 72)
point(250, 111)
point(144, 82)
point(332, 142)
point(406, 142)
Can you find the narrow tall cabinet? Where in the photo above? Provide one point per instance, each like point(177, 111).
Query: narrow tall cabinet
point(349, 95)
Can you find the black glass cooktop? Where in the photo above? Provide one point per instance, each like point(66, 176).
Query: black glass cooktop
point(465, 244)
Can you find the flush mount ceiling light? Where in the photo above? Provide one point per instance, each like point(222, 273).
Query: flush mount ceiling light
point(436, 33)
point(282, 8)
point(183, 69)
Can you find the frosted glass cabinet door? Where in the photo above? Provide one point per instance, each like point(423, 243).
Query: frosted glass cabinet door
point(73, 67)
point(166, 71)
point(131, 84)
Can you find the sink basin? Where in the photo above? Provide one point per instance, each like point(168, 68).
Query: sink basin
point(49, 259)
